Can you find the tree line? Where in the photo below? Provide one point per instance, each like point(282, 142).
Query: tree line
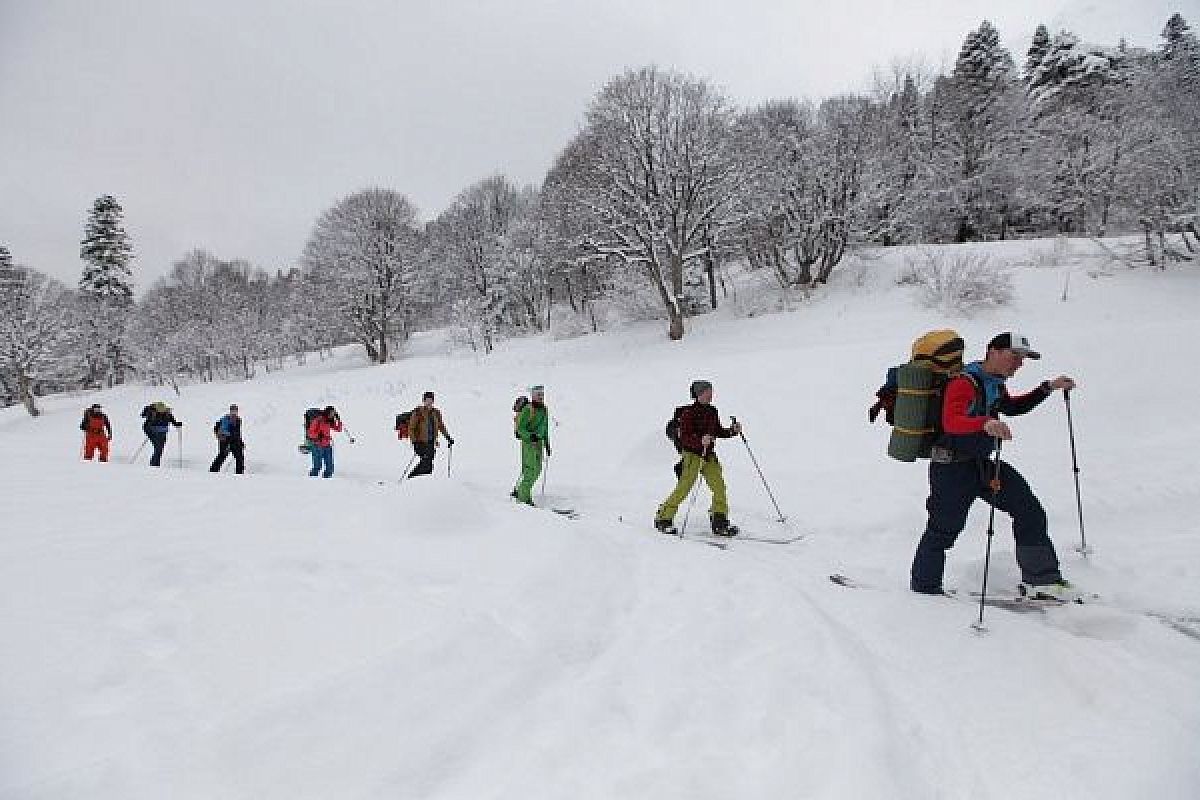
point(666, 182)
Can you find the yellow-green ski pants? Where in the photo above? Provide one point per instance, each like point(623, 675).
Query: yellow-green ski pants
point(693, 467)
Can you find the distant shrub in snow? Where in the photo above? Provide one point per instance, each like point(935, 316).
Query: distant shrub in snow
point(1057, 255)
point(957, 281)
point(566, 324)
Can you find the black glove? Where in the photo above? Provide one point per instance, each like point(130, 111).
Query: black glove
point(533, 437)
point(449, 442)
point(547, 448)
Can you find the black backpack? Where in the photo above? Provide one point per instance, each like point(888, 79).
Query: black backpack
point(672, 429)
point(518, 405)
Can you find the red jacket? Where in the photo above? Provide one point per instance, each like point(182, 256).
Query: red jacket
point(320, 430)
point(963, 414)
point(96, 423)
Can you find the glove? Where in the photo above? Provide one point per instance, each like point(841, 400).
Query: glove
point(533, 438)
point(449, 442)
point(547, 448)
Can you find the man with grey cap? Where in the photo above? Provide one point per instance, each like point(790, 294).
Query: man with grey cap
point(699, 428)
point(961, 470)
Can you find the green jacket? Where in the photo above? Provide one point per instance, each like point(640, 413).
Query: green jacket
point(533, 421)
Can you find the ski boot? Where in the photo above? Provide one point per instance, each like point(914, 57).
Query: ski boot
point(666, 526)
point(1059, 591)
point(721, 526)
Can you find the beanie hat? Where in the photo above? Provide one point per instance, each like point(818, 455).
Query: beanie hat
point(698, 388)
point(427, 396)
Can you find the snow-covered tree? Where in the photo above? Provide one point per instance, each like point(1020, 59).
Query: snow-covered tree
point(1036, 54)
point(979, 147)
point(106, 251)
point(106, 291)
point(655, 168)
point(487, 252)
point(362, 255)
point(37, 335)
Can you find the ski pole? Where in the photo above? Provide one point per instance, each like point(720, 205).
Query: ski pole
point(1083, 545)
point(180, 429)
point(449, 458)
point(991, 529)
point(138, 452)
point(771, 495)
point(404, 474)
point(545, 472)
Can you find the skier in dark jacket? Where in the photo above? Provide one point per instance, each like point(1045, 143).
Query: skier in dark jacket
point(424, 424)
point(97, 433)
point(699, 428)
point(228, 430)
point(961, 470)
point(158, 418)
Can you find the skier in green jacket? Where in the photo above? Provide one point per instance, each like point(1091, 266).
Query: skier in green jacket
point(533, 429)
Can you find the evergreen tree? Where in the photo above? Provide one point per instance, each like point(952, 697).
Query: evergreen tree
point(107, 292)
point(106, 252)
point(1036, 53)
point(8, 273)
point(982, 143)
point(1179, 41)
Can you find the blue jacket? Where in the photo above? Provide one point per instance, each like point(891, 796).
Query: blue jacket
point(228, 427)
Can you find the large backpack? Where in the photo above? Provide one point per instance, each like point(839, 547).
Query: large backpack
point(672, 428)
point(912, 394)
point(309, 416)
point(402, 424)
point(518, 406)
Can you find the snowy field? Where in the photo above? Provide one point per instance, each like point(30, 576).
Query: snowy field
point(179, 634)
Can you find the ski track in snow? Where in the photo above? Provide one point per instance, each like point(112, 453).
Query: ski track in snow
point(175, 633)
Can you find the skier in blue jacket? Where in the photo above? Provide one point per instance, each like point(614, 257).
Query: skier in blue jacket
point(228, 430)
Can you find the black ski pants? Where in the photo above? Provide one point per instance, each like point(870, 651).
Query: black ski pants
point(424, 451)
point(952, 489)
point(158, 441)
point(227, 446)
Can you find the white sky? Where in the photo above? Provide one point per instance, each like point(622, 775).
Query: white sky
point(231, 124)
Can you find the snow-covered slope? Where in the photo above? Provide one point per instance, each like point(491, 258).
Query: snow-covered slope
point(174, 633)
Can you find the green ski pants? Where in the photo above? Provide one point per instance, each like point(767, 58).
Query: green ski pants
point(531, 468)
point(693, 467)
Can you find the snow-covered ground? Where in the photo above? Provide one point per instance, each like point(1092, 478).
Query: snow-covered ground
point(173, 633)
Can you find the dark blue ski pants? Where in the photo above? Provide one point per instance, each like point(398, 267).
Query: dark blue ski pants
point(952, 489)
point(321, 457)
point(158, 441)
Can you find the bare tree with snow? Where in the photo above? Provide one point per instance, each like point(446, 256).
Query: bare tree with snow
point(363, 253)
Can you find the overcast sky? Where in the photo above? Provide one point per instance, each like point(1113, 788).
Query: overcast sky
point(231, 124)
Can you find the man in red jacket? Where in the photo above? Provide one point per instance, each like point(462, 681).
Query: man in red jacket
point(699, 428)
point(961, 470)
point(97, 433)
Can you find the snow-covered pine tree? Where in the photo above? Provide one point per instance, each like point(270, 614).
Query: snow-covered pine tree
point(1038, 49)
point(106, 251)
point(106, 291)
point(982, 144)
